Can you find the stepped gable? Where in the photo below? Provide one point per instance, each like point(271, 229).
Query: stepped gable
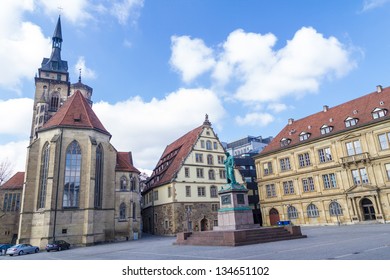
point(360, 108)
point(124, 162)
point(172, 158)
point(76, 113)
point(14, 183)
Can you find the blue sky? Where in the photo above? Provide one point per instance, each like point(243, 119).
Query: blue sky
point(157, 67)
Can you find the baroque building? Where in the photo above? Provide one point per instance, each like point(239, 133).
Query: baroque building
point(77, 186)
point(331, 167)
point(182, 192)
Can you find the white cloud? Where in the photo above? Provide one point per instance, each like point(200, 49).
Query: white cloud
point(373, 4)
point(22, 45)
point(255, 119)
point(76, 11)
point(15, 116)
point(85, 71)
point(125, 9)
point(145, 128)
point(16, 153)
point(190, 57)
point(277, 107)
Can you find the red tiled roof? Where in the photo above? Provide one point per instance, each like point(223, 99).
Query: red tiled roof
point(172, 158)
point(360, 108)
point(76, 113)
point(14, 183)
point(124, 162)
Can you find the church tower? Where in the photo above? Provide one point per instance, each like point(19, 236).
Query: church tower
point(52, 86)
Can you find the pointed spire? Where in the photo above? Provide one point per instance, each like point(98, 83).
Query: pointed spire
point(58, 32)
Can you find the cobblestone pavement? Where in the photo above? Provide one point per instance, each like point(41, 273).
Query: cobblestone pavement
point(345, 242)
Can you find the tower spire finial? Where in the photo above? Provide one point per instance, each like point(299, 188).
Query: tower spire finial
point(79, 75)
point(206, 120)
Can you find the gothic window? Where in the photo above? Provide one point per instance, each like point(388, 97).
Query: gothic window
point(132, 184)
point(123, 183)
point(122, 211)
point(312, 211)
point(54, 102)
point(43, 175)
point(72, 175)
point(134, 208)
point(99, 177)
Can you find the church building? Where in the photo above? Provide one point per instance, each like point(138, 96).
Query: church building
point(77, 186)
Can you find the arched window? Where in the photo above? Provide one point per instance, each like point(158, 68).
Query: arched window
point(133, 212)
point(123, 183)
point(312, 211)
point(213, 191)
point(208, 145)
point(292, 212)
point(211, 174)
point(133, 184)
point(54, 102)
point(335, 209)
point(72, 175)
point(210, 160)
point(99, 177)
point(43, 175)
point(122, 211)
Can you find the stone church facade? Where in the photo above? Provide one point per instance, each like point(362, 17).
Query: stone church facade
point(77, 186)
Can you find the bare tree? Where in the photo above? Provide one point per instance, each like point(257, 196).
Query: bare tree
point(5, 170)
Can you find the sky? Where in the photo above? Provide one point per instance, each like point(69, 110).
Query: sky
point(157, 67)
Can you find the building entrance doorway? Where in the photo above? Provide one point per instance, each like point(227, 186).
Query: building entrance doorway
point(274, 217)
point(368, 209)
point(204, 224)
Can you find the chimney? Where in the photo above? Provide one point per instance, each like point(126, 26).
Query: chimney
point(290, 121)
point(378, 88)
point(325, 108)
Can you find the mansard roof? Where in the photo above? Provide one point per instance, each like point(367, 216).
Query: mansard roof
point(173, 157)
point(14, 183)
point(124, 162)
point(75, 113)
point(335, 118)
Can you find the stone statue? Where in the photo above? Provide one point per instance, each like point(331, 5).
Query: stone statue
point(229, 167)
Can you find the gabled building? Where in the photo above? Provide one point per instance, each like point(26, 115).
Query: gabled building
point(10, 197)
point(77, 186)
point(182, 192)
point(331, 167)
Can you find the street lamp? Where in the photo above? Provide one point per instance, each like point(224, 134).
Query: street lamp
point(336, 210)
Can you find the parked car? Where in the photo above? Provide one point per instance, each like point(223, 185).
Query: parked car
point(4, 247)
point(21, 249)
point(57, 245)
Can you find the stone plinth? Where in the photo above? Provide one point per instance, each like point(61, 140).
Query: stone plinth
point(234, 212)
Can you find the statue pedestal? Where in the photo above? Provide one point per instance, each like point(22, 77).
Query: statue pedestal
point(234, 212)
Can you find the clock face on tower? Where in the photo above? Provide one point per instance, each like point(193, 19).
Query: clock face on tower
point(225, 199)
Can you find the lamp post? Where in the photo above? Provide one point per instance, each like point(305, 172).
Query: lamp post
point(337, 211)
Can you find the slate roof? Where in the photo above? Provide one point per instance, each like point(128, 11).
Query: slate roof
point(75, 113)
point(360, 108)
point(14, 183)
point(124, 162)
point(172, 158)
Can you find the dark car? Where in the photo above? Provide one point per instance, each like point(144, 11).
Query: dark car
point(4, 248)
point(57, 245)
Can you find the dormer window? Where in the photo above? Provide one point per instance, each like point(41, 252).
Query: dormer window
point(350, 121)
point(325, 129)
point(304, 136)
point(379, 113)
point(285, 142)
